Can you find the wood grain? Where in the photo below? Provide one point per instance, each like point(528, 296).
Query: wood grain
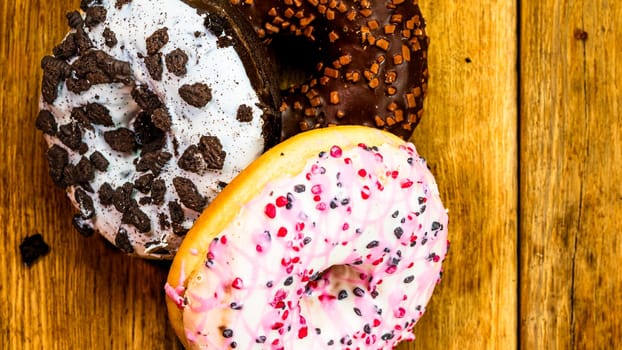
point(468, 135)
point(542, 274)
point(571, 192)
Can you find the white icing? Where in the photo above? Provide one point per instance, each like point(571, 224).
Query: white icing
point(220, 68)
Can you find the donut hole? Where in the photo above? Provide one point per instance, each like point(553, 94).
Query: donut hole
point(297, 59)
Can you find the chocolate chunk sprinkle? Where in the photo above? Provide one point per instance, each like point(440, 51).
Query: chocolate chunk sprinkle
point(74, 19)
point(82, 225)
point(157, 40)
point(176, 62)
point(143, 183)
point(99, 161)
point(188, 194)
point(46, 122)
point(192, 160)
point(244, 114)
point(154, 65)
point(58, 158)
point(94, 16)
point(342, 294)
point(158, 190)
point(120, 3)
point(358, 291)
point(106, 194)
point(84, 171)
point(212, 152)
point(148, 136)
point(153, 161)
point(122, 241)
point(70, 135)
point(110, 38)
point(122, 197)
point(85, 203)
point(67, 48)
point(77, 85)
point(227, 333)
point(197, 94)
point(176, 212)
point(98, 114)
point(146, 99)
point(32, 248)
point(121, 140)
point(161, 119)
point(135, 216)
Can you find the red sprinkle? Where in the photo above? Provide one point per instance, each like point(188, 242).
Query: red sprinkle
point(406, 183)
point(376, 322)
point(277, 325)
point(223, 239)
point(365, 192)
point(345, 226)
point(237, 283)
point(321, 206)
point(335, 152)
point(281, 201)
point(316, 189)
point(282, 232)
point(259, 248)
point(302, 332)
point(270, 210)
point(362, 172)
point(400, 312)
point(347, 160)
point(300, 226)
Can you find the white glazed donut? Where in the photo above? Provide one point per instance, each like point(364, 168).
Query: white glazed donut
point(332, 239)
point(149, 111)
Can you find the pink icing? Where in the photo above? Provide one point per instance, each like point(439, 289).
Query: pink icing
point(344, 255)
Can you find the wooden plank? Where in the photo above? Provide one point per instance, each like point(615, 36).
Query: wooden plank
point(84, 294)
point(468, 135)
point(571, 192)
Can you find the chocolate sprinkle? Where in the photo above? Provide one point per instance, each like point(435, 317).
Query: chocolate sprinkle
point(244, 114)
point(99, 161)
point(46, 122)
point(121, 140)
point(188, 194)
point(176, 62)
point(197, 94)
point(122, 241)
point(82, 225)
point(32, 248)
point(157, 40)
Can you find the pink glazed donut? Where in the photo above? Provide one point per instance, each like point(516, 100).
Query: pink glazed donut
point(333, 239)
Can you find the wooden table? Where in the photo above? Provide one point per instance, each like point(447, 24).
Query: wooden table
point(523, 129)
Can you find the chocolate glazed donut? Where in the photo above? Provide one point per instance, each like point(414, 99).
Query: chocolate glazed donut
point(362, 61)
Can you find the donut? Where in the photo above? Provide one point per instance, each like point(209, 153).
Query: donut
point(333, 238)
point(357, 62)
point(149, 109)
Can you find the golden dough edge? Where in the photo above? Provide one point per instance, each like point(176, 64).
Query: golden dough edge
point(285, 159)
